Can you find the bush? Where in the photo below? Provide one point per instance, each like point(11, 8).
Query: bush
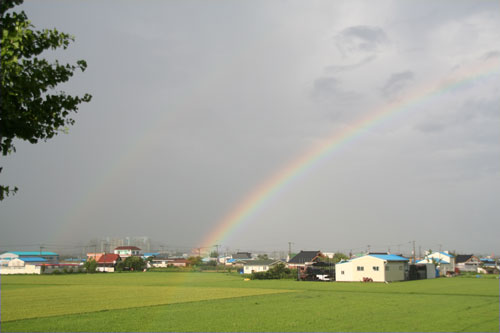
point(57, 272)
point(279, 271)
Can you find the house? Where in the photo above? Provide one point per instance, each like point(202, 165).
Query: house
point(444, 261)
point(95, 255)
point(242, 256)
point(304, 258)
point(26, 265)
point(178, 262)
point(467, 262)
point(108, 262)
point(160, 261)
point(488, 266)
point(372, 267)
point(259, 265)
point(50, 257)
point(127, 251)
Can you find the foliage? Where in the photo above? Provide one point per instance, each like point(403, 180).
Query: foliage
point(211, 263)
point(214, 254)
point(90, 266)
point(29, 108)
point(194, 261)
point(337, 257)
point(132, 264)
point(278, 271)
point(262, 257)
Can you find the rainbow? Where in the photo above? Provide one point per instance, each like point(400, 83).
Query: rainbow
point(271, 187)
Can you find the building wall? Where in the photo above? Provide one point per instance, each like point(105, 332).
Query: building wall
point(369, 265)
point(106, 269)
point(395, 271)
point(343, 272)
point(27, 269)
point(468, 266)
point(253, 268)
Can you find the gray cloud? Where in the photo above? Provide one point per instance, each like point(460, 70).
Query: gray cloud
point(360, 39)
point(397, 83)
point(467, 118)
point(334, 69)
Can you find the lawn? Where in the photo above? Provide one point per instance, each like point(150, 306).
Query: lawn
point(225, 302)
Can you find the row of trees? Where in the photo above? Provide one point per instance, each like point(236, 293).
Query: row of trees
point(129, 264)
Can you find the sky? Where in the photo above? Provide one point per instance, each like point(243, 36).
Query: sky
point(197, 103)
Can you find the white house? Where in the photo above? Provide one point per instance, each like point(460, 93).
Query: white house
point(377, 267)
point(23, 266)
point(259, 265)
point(444, 261)
point(127, 251)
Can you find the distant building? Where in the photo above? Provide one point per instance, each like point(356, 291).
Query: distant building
point(108, 262)
point(372, 267)
point(95, 255)
point(242, 256)
point(444, 261)
point(255, 266)
point(50, 257)
point(127, 251)
point(467, 262)
point(304, 258)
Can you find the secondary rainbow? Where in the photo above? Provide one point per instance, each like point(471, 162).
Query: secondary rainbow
point(270, 188)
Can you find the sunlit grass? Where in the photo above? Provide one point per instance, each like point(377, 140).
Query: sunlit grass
point(222, 302)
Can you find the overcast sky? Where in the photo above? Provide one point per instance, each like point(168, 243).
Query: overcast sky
point(195, 103)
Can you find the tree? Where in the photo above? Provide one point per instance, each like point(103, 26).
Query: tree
point(339, 256)
point(90, 266)
point(194, 261)
point(262, 257)
point(30, 109)
point(133, 264)
point(214, 254)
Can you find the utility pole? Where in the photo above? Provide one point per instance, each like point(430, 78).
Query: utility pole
point(413, 251)
point(368, 249)
point(290, 250)
point(217, 261)
point(41, 247)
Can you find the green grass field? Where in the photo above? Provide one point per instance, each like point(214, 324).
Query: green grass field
point(225, 302)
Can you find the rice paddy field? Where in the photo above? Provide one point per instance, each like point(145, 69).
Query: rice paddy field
point(219, 302)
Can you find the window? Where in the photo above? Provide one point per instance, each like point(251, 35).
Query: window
point(342, 272)
point(361, 268)
point(386, 268)
point(400, 268)
point(375, 268)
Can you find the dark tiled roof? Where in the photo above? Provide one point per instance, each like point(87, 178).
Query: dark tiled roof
point(127, 248)
point(242, 255)
point(304, 256)
point(462, 258)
